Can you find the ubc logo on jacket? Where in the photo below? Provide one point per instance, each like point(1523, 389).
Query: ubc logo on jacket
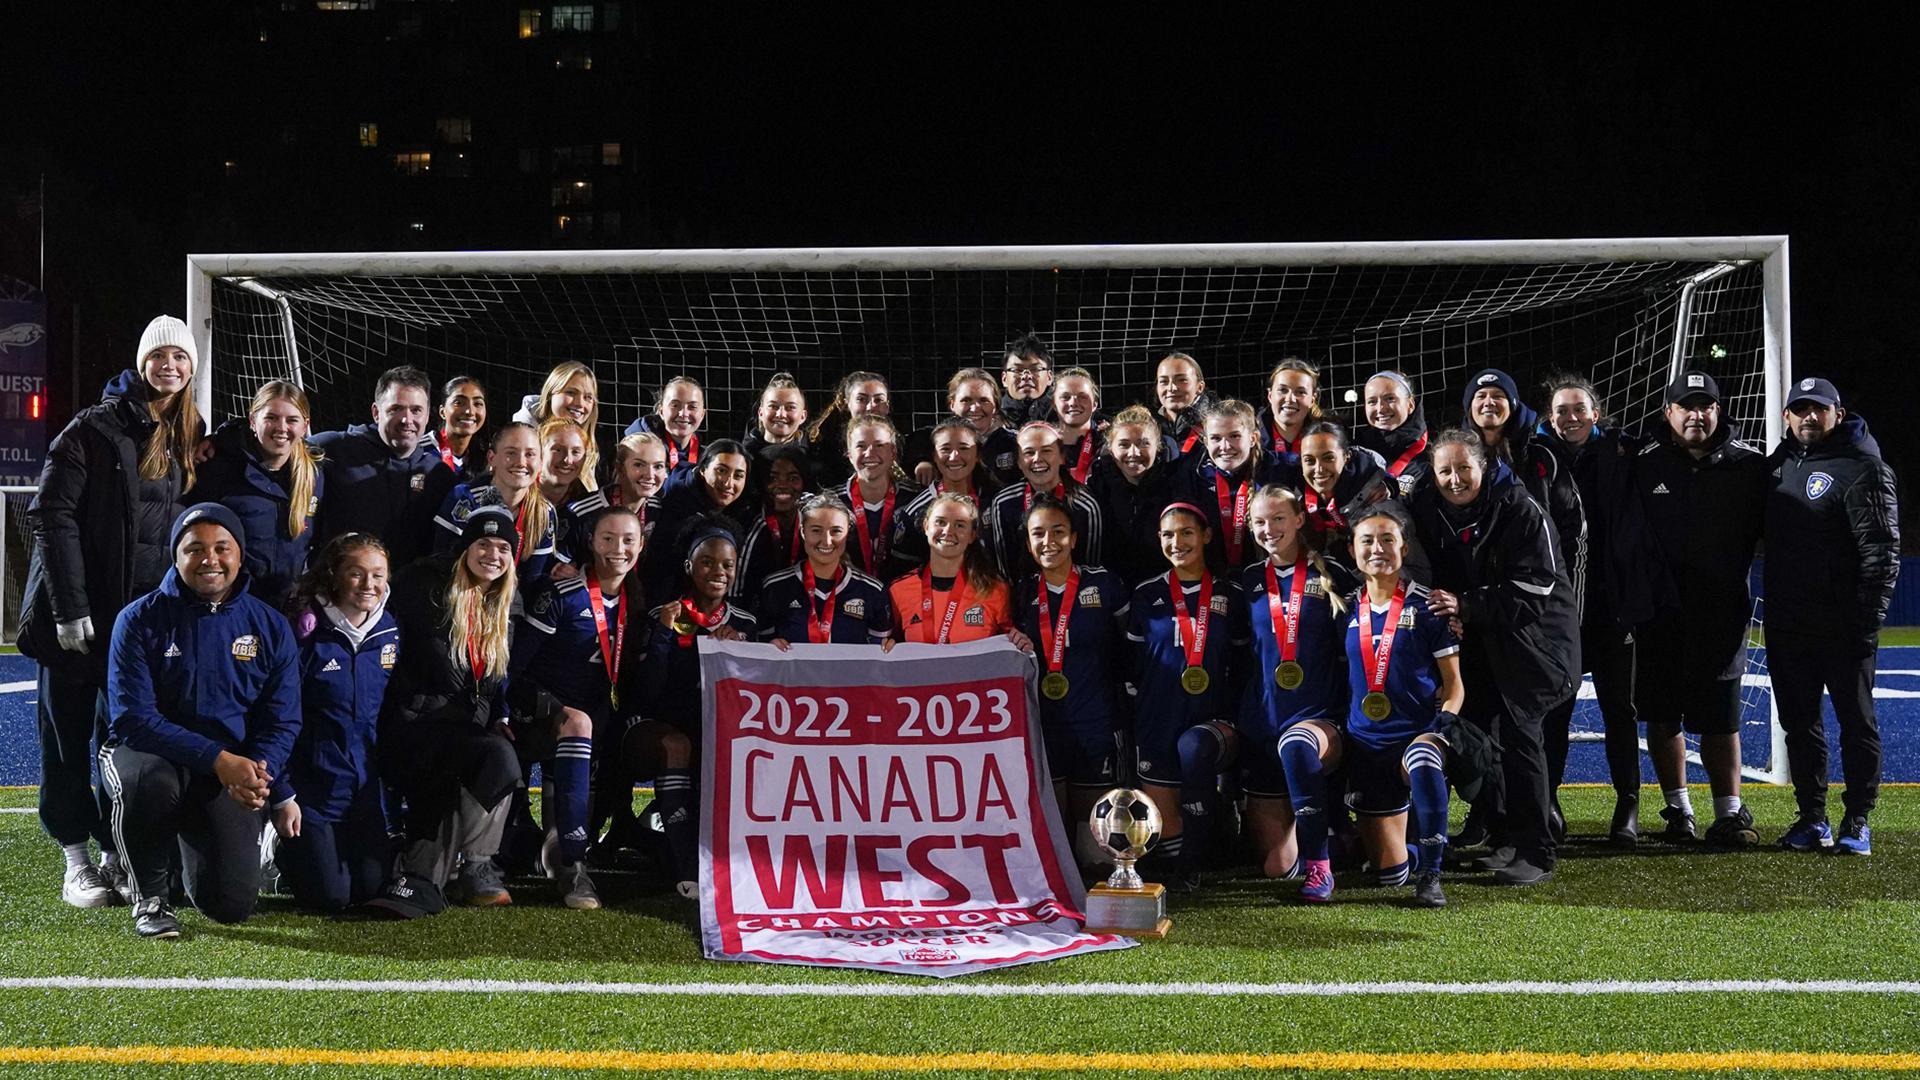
point(389, 653)
point(246, 647)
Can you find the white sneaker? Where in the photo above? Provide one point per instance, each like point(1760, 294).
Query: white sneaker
point(577, 890)
point(86, 887)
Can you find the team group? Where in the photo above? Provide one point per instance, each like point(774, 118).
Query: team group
point(1295, 636)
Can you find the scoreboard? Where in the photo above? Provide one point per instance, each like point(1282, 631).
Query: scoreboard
point(23, 383)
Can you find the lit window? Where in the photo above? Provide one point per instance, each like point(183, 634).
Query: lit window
point(413, 162)
point(529, 22)
point(578, 17)
point(572, 224)
point(369, 134)
point(231, 167)
point(577, 193)
point(610, 153)
point(455, 130)
point(417, 226)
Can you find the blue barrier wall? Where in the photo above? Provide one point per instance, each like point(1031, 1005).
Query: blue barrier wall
point(1905, 610)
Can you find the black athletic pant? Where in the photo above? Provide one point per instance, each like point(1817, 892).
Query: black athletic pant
point(450, 772)
point(72, 715)
point(333, 865)
point(1608, 653)
point(157, 805)
point(1517, 795)
point(1803, 666)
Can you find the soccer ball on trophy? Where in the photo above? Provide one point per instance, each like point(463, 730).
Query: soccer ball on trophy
point(1126, 825)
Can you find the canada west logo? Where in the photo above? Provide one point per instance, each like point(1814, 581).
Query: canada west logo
point(1818, 484)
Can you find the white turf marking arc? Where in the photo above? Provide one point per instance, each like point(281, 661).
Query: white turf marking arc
point(916, 989)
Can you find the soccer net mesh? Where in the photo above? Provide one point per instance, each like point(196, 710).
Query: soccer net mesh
point(1624, 323)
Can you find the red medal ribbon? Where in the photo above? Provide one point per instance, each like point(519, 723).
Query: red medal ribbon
point(693, 452)
point(1326, 517)
point(609, 653)
point(820, 624)
point(1235, 523)
point(1084, 466)
point(1193, 629)
point(704, 622)
point(872, 548)
point(1026, 500)
point(1288, 613)
point(1401, 462)
point(953, 602)
point(1193, 436)
point(792, 542)
point(1280, 443)
point(446, 453)
point(476, 657)
point(1374, 661)
point(1053, 632)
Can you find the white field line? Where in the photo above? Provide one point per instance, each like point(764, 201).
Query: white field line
point(16, 687)
point(946, 989)
point(18, 810)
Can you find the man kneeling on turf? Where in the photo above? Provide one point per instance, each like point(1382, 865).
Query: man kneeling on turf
point(203, 702)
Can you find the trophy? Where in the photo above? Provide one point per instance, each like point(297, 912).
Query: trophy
point(1126, 825)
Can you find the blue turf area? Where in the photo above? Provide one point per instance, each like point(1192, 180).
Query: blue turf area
point(1897, 695)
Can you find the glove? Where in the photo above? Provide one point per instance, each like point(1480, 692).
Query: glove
point(73, 636)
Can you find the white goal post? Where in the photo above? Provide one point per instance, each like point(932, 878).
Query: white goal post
point(1627, 312)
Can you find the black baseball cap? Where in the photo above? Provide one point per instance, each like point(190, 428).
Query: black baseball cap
point(1693, 384)
point(1819, 391)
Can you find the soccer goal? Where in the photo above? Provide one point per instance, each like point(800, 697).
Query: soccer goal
point(1628, 313)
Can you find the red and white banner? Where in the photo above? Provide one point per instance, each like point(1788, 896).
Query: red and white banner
point(892, 814)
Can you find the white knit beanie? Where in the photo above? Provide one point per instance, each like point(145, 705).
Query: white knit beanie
point(167, 330)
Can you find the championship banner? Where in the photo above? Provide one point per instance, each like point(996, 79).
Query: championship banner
point(889, 814)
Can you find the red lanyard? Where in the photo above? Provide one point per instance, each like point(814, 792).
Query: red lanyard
point(476, 656)
point(1193, 629)
point(1053, 632)
point(1084, 466)
point(693, 452)
point(1405, 459)
point(953, 602)
point(446, 453)
point(1026, 500)
point(1281, 445)
point(1235, 523)
point(609, 654)
point(1193, 436)
point(793, 539)
point(1327, 516)
point(1288, 613)
point(1374, 661)
point(872, 548)
point(820, 625)
point(704, 622)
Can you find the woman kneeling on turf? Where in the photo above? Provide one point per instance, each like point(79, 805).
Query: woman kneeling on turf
point(1290, 721)
point(1403, 674)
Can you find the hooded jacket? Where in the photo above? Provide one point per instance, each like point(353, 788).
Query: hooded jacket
point(1624, 571)
point(428, 683)
point(187, 679)
point(1396, 444)
point(1833, 535)
point(99, 531)
point(235, 478)
point(371, 489)
point(1539, 471)
point(342, 685)
point(1500, 555)
point(1704, 517)
point(1174, 441)
point(1020, 411)
point(1131, 514)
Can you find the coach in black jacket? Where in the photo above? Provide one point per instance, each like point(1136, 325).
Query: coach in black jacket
point(1703, 493)
point(1498, 569)
point(385, 478)
point(1833, 555)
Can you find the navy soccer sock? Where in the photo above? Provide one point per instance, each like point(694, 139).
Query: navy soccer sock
point(679, 816)
point(1199, 791)
point(1307, 789)
point(571, 774)
point(1427, 777)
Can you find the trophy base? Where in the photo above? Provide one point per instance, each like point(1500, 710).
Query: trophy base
point(1138, 913)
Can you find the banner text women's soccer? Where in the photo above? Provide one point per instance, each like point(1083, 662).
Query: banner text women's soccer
point(891, 813)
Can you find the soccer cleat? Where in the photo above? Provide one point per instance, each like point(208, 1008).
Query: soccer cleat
point(1808, 835)
point(1624, 830)
point(1319, 885)
point(549, 864)
point(1187, 881)
point(1556, 822)
point(1427, 892)
point(1854, 839)
point(480, 885)
point(86, 887)
point(1473, 831)
point(1680, 827)
point(688, 890)
point(1734, 831)
point(577, 891)
point(152, 918)
point(1522, 871)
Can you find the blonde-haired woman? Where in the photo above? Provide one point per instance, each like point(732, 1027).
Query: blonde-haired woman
point(443, 742)
point(101, 522)
point(572, 392)
point(263, 470)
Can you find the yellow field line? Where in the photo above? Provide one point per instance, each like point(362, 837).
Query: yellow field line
point(827, 1061)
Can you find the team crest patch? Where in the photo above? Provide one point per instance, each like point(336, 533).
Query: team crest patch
point(1317, 587)
point(975, 616)
point(1818, 484)
point(1806, 384)
point(1406, 619)
point(389, 653)
point(462, 510)
point(1089, 597)
point(1696, 382)
point(1004, 462)
point(1218, 605)
point(246, 647)
point(313, 505)
point(419, 481)
point(1489, 379)
point(855, 608)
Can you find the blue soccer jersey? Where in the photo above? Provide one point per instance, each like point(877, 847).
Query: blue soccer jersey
point(558, 645)
point(1413, 676)
point(464, 499)
point(861, 612)
point(1197, 481)
point(1162, 707)
point(668, 678)
point(1319, 650)
point(771, 546)
point(1093, 652)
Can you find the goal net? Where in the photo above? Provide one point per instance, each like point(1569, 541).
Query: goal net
point(1626, 313)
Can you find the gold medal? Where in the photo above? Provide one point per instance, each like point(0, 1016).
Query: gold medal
point(1195, 680)
point(1289, 675)
point(1375, 706)
point(1054, 686)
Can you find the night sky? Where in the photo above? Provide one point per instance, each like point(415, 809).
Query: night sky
point(891, 126)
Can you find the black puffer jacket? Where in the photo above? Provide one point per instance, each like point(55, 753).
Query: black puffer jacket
point(429, 683)
point(1833, 535)
point(1131, 514)
point(1624, 571)
point(1704, 516)
point(1499, 555)
point(1395, 444)
point(1539, 471)
point(99, 530)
